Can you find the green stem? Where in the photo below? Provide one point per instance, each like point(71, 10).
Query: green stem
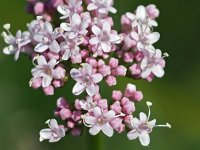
point(95, 142)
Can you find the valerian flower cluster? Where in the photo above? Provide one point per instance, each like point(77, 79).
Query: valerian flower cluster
point(85, 48)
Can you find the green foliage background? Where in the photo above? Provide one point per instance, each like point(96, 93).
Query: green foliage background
point(176, 98)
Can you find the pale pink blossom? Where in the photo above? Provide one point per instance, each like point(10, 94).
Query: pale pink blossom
point(104, 38)
point(46, 71)
point(99, 121)
point(86, 80)
point(88, 104)
point(54, 133)
point(77, 27)
point(16, 43)
point(103, 7)
point(140, 128)
point(153, 63)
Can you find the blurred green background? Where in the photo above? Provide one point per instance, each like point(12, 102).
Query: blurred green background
point(176, 97)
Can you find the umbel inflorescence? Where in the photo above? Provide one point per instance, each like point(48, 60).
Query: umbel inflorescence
point(82, 45)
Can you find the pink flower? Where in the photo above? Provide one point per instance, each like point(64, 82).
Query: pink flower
point(71, 8)
point(142, 127)
point(88, 104)
point(16, 43)
point(99, 121)
point(47, 39)
point(77, 27)
point(54, 133)
point(104, 38)
point(153, 63)
point(86, 80)
point(46, 71)
point(103, 7)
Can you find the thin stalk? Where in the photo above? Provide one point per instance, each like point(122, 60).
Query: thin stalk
point(95, 142)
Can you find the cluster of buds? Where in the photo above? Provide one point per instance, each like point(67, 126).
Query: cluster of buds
point(84, 47)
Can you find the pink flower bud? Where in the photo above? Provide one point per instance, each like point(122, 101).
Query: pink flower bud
point(49, 90)
point(121, 128)
point(56, 3)
point(70, 124)
point(125, 21)
point(104, 70)
point(101, 62)
point(152, 11)
point(113, 63)
point(137, 96)
point(39, 8)
point(129, 108)
point(124, 100)
point(135, 69)
point(84, 53)
point(53, 55)
point(116, 95)
point(76, 131)
point(77, 104)
point(65, 114)
point(116, 123)
point(150, 77)
point(127, 119)
point(111, 80)
point(97, 97)
point(116, 107)
point(57, 83)
point(128, 57)
point(62, 103)
point(76, 115)
point(92, 61)
point(130, 90)
point(119, 71)
point(36, 83)
point(138, 56)
point(102, 103)
point(76, 59)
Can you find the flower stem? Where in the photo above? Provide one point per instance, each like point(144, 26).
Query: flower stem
point(95, 142)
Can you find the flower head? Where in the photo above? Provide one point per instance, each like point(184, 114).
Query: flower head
point(54, 133)
point(142, 127)
point(99, 121)
point(86, 80)
point(16, 43)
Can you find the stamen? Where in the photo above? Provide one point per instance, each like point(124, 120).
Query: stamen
point(149, 104)
point(34, 59)
point(6, 26)
point(167, 125)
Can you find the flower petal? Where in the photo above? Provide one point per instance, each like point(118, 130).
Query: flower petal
point(54, 47)
point(143, 117)
point(41, 48)
point(90, 120)
point(94, 130)
point(46, 81)
point(96, 78)
point(78, 88)
point(45, 134)
point(109, 115)
point(132, 135)
point(97, 111)
point(91, 90)
point(91, 6)
point(96, 30)
point(107, 130)
point(94, 41)
point(141, 13)
point(158, 71)
point(144, 138)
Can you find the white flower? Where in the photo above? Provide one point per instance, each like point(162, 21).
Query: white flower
point(141, 17)
point(142, 127)
point(16, 43)
point(102, 6)
point(100, 121)
point(88, 104)
point(69, 9)
point(154, 63)
point(54, 133)
point(78, 25)
point(86, 80)
point(45, 70)
point(47, 39)
point(104, 38)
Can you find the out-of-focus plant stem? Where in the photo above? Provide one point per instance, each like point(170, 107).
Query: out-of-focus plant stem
point(95, 142)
